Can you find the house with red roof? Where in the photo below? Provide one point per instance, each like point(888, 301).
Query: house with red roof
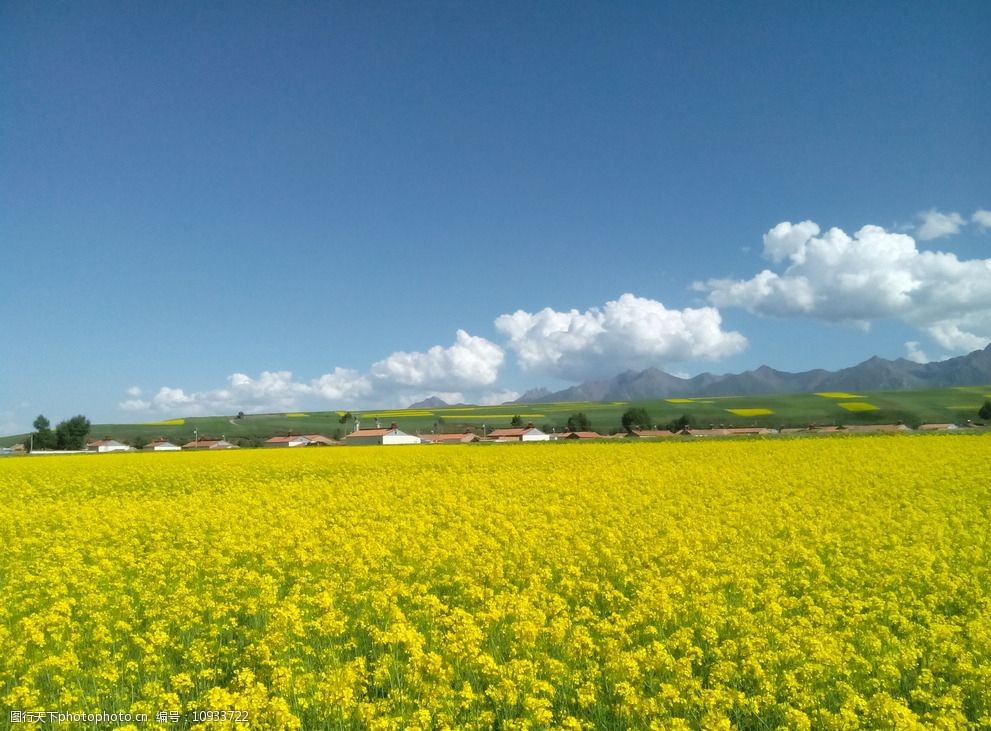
point(528, 433)
point(319, 440)
point(580, 435)
point(465, 438)
point(391, 436)
point(290, 440)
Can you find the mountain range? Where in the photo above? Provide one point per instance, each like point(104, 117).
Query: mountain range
point(876, 374)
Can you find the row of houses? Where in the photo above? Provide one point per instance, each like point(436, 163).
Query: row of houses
point(393, 435)
point(811, 429)
point(102, 446)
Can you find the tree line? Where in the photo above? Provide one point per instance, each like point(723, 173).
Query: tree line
point(69, 434)
point(632, 420)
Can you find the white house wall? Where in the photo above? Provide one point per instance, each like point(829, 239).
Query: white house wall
point(400, 439)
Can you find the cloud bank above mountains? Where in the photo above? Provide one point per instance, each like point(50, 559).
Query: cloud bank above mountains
point(872, 275)
point(832, 276)
point(629, 332)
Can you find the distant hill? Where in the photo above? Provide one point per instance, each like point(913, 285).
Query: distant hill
point(876, 374)
point(429, 403)
point(532, 396)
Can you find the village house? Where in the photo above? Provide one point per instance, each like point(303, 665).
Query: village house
point(391, 436)
point(319, 440)
point(578, 435)
point(876, 428)
point(528, 433)
point(733, 431)
point(811, 429)
point(641, 433)
point(289, 440)
point(737, 431)
point(209, 444)
point(465, 438)
point(162, 445)
point(102, 446)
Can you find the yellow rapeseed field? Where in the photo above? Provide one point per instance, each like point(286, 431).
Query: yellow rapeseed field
point(824, 583)
point(856, 406)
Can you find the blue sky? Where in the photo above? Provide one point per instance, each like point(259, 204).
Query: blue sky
point(213, 207)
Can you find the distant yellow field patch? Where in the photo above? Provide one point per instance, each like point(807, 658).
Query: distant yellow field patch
point(167, 422)
point(294, 416)
point(499, 416)
point(397, 414)
point(750, 412)
point(839, 394)
point(857, 406)
point(678, 400)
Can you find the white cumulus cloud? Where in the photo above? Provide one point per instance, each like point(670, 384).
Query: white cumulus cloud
point(915, 353)
point(497, 398)
point(936, 224)
point(874, 274)
point(169, 399)
point(341, 384)
point(270, 391)
point(982, 219)
point(469, 363)
point(629, 332)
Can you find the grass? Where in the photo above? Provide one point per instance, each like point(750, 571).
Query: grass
point(786, 410)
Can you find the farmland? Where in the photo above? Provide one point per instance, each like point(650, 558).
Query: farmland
point(944, 405)
point(834, 584)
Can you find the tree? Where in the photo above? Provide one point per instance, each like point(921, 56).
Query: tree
point(579, 422)
point(682, 422)
point(43, 437)
point(345, 418)
point(71, 433)
point(985, 410)
point(635, 418)
point(516, 421)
